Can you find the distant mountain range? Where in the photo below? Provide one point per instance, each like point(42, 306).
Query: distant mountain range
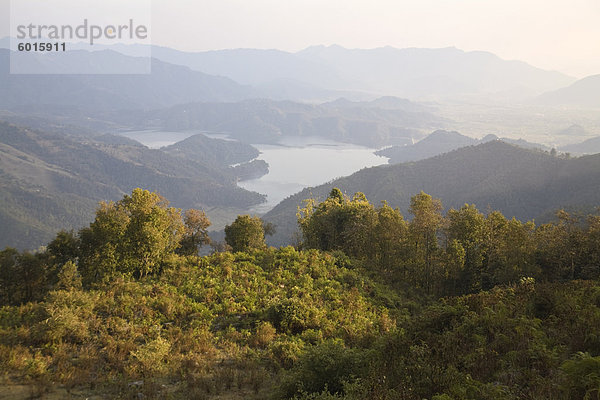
point(51, 181)
point(583, 93)
point(445, 72)
point(327, 72)
point(440, 142)
point(411, 72)
point(167, 85)
point(53, 173)
point(495, 175)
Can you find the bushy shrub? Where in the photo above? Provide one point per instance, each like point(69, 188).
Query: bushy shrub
point(325, 367)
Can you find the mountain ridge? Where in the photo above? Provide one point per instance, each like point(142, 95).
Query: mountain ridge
point(582, 93)
point(414, 72)
point(519, 182)
point(166, 86)
point(440, 142)
point(51, 182)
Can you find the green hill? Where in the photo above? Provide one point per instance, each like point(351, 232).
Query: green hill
point(51, 182)
point(518, 182)
point(222, 153)
point(440, 142)
point(461, 306)
point(436, 143)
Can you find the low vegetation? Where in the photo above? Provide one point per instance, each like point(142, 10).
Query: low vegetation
point(370, 305)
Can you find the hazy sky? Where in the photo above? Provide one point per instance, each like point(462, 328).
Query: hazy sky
point(553, 34)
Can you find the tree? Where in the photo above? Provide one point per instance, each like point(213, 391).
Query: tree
point(390, 238)
point(454, 265)
point(591, 267)
point(8, 275)
point(466, 226)
point(132, 236)
point(494, 243)
point(519, 250)
point(64, 247)
point(23, 276)
point(424, 228)
point(320, 222)
point(68, 277)
point(339, 224)
point(559, 246)
point(195, 233)
point(245, 233)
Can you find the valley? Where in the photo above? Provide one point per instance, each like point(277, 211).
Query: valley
point(300, 200)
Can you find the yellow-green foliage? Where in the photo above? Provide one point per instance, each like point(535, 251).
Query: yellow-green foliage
point(356, 318)
point(201, 318)
point(133, 236)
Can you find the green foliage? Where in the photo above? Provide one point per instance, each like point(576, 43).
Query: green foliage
point(132, 236)
point(196, 232)
point(492, 345)
point(582, 380)
point(245, 233)
point(23, 276)
point(352, 226)
point(151, 357)
point(64, 247)
point(325, 367)
point(459, 253)
point(389, 239)
point(424, 230)
point(462, 306)
point(39, 197)
point(69, 277)
point(466, 233)
point(222, 317)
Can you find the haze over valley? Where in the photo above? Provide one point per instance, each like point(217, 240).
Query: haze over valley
point(300, 200)
point(336, 106)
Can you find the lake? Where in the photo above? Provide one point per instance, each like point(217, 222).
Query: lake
point(295, 163)
point(300, 162)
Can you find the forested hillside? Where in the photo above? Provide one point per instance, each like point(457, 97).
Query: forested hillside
point(440, 142)
point(456, 305)
point(270, 200)
point(436, 143)
point(51, 181)
point(527, 184)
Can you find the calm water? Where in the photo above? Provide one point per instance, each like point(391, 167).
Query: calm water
point(297, 163)
point(294, 163)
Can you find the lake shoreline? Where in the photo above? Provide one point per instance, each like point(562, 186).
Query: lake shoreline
point(295, 162)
